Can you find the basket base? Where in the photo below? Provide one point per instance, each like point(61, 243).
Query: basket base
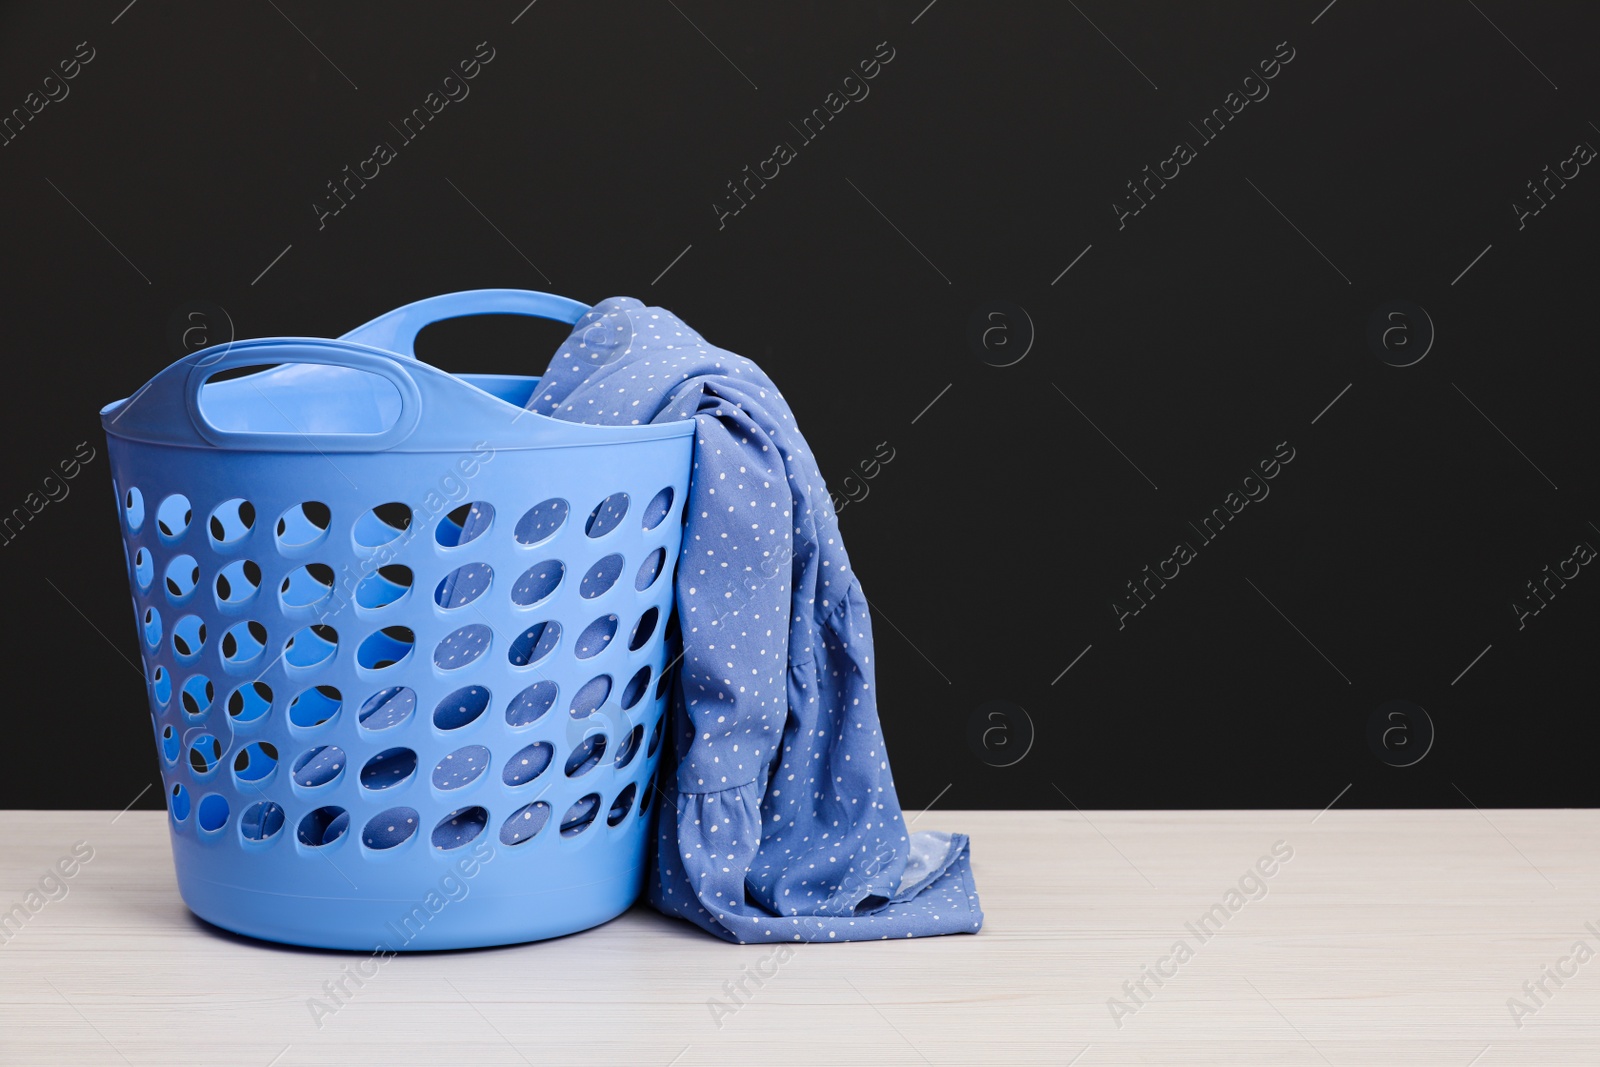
point(384, 927)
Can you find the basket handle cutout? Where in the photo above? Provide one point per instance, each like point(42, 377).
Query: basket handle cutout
point(374, 405)
point(396, 331)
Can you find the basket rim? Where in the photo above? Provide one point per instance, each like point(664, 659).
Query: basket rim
point(163, 421)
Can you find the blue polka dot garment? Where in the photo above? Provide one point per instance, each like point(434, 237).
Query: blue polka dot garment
point(780, 820)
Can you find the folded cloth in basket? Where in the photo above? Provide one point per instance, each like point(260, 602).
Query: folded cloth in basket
point(780, 820)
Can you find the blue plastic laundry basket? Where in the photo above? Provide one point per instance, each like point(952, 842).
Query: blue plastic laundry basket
point(403, 639)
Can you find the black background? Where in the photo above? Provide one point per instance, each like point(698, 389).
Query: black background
point(1220, 321)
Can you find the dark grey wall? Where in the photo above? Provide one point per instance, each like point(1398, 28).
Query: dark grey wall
point(1070, 375)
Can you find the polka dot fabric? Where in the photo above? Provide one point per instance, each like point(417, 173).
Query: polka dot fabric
point(319, 766)
point(781, 821)
point(460, 767)
point(462, 647)
point(388, 707)
point(464, 584)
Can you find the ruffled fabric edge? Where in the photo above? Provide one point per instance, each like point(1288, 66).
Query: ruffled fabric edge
point(936, 895)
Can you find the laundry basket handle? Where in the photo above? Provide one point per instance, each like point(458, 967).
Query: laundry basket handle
point(396, 331)
point(308, 350)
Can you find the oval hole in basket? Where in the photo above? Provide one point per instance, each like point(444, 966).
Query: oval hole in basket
point(311, 646)
point(152, 628)
point(231, 521)
point(586, 755)
point(595, 638)
point(607, 515)
point(205, 754)
point(255, 762)
point(657, 509)
point(250, 701)
point(302, 526)
point(538, 582)
point(601, 577)
point(580, 816)
point(380, 525)
point(589, 699)
point(323, 826)
point(461, 767)
point(650, 570)
point(630, 746)
point(390, 828)
point(161, 685)
point(387, 585)
point(387, 708)
point(531, 705)
point(189, 637)
point(463, 585)
point(622, 805)
point(462, 647)
point(524, 824)
point(196, 695)
point(643, 629)
point(178, 805)
point(636, 688)
point(541, 521)
point(389, 768)
point(319, 766)
point(144, 569)
point(306, 586)
point(181, 577)
point(170, 746)
point(173, 516)
point(387, 647)
point(238, 582)
point(243, 643)
point(459, 828)
point(535, 643)
point(261, 821)
point(528, 764)
point(133, 509)
point(461, 707)
point(465, 524)
point(315, 706)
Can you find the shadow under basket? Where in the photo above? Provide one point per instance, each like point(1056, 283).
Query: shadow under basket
point(404, 641)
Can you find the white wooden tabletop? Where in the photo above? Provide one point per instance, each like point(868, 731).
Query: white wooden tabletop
point(1401, 937)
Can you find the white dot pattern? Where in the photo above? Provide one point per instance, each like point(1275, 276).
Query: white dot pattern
point(390, 828)
point(387, 708)
point(459, 828)
point(319, 766)
point(461, 707)
point(530, 705)
point(595, 637)
point(460, 767)
point(528, 764)
point(542, 521)
point(602, 576)
point(388, 768)
point(781, 821)
point(607, 515)
point(535, 643)
point(538, 582)
point(525, 823)
point(463, 585)
point(462, 647)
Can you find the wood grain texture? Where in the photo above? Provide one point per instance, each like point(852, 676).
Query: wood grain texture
point(1388, 937)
